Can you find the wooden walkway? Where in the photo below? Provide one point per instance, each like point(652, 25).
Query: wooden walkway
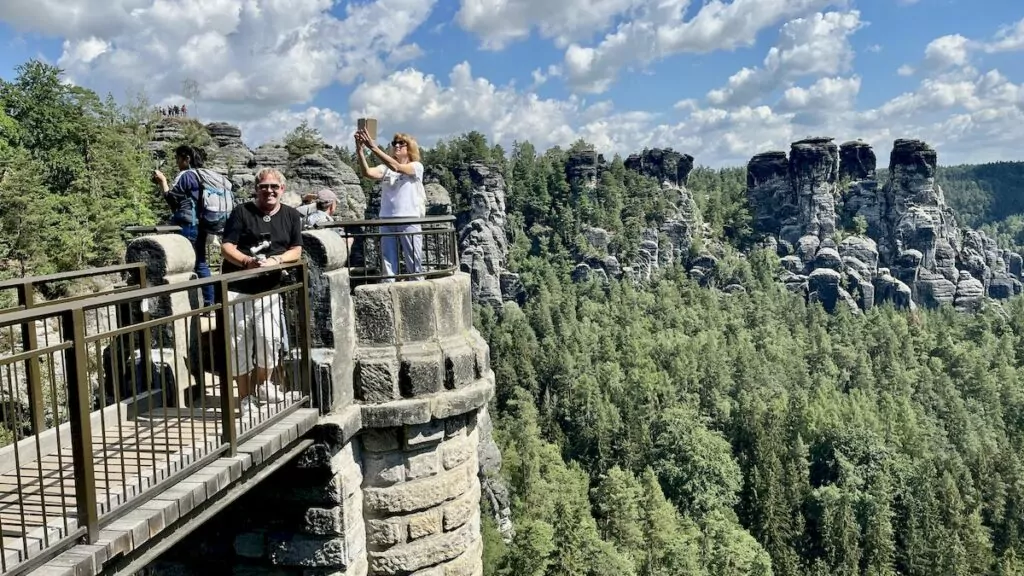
point(133, 457)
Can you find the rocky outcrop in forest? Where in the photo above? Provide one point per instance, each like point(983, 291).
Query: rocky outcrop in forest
point(670, 243)
point(845, 237)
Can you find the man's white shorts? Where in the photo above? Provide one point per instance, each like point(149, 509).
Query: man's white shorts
point(257, 332)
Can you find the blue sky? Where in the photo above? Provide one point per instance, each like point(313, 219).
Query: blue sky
point(439, 68)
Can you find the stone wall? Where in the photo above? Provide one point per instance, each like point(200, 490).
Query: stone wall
point(393, 483)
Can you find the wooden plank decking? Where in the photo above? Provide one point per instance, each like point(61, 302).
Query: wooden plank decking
point(131, 456)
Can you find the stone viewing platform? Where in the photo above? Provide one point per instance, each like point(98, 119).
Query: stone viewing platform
point(375, 471)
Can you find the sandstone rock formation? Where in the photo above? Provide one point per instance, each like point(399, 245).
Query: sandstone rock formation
point(908, 250)
point(664, 165)
point(228, 154)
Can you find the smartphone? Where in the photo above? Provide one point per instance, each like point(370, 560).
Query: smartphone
point(370, 124)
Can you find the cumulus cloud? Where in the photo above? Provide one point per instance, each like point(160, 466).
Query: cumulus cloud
point(500, 22)
point(659, 30)
point(954, 51)
point(248, 56)
point(811, 46)
point(977, 116)
point(260, 62)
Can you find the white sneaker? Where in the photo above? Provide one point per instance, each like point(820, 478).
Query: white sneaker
point(268, 393)
point(271, 394)
point(245, 407)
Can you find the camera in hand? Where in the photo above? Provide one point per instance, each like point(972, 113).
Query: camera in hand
point(256, 251)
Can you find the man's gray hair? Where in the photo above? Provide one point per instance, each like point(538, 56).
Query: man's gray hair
point(265, 173)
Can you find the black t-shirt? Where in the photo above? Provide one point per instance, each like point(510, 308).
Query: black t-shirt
point(246, 228)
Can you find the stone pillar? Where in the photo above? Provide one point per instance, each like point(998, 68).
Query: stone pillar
point(392, 484)
point(169, 259)
point(332, 319)
point(422, 376)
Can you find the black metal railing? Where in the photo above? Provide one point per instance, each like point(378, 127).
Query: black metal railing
point(132, 392)
point(391, 249)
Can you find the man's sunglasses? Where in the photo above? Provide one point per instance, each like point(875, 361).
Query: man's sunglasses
point(265, 187)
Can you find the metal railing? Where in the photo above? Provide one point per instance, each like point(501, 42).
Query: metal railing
point(27, 286)
point(418, 247)
point(133, 391)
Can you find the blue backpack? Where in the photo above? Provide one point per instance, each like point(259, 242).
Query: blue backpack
point(216, 200)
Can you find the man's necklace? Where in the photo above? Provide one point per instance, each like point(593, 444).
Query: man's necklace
point(267, 217)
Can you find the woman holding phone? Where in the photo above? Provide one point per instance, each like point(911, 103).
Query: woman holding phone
point(402, 196)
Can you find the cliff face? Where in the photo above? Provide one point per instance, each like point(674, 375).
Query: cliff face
point(911, 250)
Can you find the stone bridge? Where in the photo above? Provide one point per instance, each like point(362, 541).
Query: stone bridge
point(372, 468)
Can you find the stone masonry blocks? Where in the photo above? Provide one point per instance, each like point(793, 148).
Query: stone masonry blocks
point(483, 354)
point(375, 315)
point(459, 363)
point(376, 375)
point(422, 369)
point(448, 306)
point(415, 310)
point(464, 287)
point(425, 552)
point(420, 435)
point(422, 498)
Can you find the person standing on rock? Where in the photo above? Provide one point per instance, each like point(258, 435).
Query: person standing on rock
point(182, 197)
point(258, 331)
point(402, 196)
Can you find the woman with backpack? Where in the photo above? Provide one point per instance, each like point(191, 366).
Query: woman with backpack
point(182, 196)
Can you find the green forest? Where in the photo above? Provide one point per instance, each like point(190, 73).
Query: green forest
point(661, 429)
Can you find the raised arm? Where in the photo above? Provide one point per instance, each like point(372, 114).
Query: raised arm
point(375, 172)
point(390, 162)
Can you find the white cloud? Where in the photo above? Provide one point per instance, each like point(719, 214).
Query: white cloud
point(971, 117)
point(500, 22)
point(1009, 39)
point(659, 30)
point(946, 52)
point(954, 51)
point(905, 70)
point(248, 56)
point(811, 46)
point(257, 60)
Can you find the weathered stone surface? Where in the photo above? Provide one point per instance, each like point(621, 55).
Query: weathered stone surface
point(383, 469)
point(482, 241)
point(813, 170)
point(459, 363)
point(374, 314)
point(662, 165)
point(769, 189)
point(414, 302)
point(424, 553)
point(419, 494)
point(307, 551)
point(448, 293)
point(376, 375)
point(422, 369)
point(422, 464)
point(456, 452)
point(426, 434)
point(397, 413)
point(857, 160)
point(463, 509)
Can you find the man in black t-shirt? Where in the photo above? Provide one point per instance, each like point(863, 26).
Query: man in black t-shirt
point(260, 234)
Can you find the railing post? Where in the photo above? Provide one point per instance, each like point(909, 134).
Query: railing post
point(76, 367)
point(305, 334)
point(30, 341)
point(229, 433)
